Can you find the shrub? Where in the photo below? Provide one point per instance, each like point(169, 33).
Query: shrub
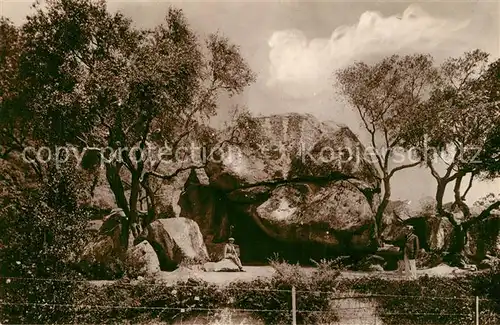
point(428, 259)
point(435, 300)
point(398, 302)
point(43, 228)
point(314, 291)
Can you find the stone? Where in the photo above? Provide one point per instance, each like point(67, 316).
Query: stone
point(439, 232)
point(111, 221)
point(489, 263)
point(281, 194)
point(299, 212)
point(376, 260)
point(176, 241)
point(224, 265)
point(287, 147)
point(388, 249)
point(144, 257)
point(94, 226)
point(393, 221)
point(103, 253)
point(375, 268)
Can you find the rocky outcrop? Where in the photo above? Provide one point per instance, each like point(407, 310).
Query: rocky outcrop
point(143, 259)
point(335, 214)
point(176, 240)
point(394, 221)
point(290, 147)
point(101, 255)
point(163, 245)
point(290, 184)
point(439, 232)
point(434, 232)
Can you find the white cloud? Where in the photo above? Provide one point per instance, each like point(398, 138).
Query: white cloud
point(303, 67)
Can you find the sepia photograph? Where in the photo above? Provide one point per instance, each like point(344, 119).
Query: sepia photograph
point(248, 162)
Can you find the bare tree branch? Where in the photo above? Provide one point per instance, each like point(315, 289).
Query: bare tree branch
point(396, 169)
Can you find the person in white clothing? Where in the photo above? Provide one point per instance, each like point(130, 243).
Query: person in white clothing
point(231, 253)
point(411, 250)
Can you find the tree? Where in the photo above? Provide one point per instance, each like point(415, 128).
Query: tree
point(387, 95)
point(460, 124)
point(92, 80)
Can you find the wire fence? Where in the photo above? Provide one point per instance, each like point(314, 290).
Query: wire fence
point(291, 305)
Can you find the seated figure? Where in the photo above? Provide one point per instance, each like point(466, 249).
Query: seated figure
point(231, 253)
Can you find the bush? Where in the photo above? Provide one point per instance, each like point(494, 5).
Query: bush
point(434, 300)
point(314, 291)
point(398, 302)
point(43, 228)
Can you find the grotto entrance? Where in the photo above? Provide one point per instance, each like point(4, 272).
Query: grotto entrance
point(257, 247)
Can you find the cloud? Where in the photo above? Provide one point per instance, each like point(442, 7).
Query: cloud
point(304, 68)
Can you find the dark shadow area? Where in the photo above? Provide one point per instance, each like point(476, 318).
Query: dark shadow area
point(165, 263)
point(420, 227)
point(257, 247)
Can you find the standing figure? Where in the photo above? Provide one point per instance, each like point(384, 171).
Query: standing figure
point(411, 250)
point(231, 254)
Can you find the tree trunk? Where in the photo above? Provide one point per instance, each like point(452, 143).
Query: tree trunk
point(460, 231)
point(150, 199)
point(459, 237)
point(458, 197)
point(441, 189)
point(458, 240)
point(116, 185)
point(134, 196)
point(380, 212)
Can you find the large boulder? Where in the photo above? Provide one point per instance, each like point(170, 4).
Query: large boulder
point(290, 184)
point(434, 232)
point(176, 240)
point(335, 214)
point(143, 261)
point(101, 256)
point(288, 147)
point(394, 221)
point(439, 233)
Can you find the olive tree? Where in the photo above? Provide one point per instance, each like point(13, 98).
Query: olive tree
point(460, 124)
point(386, 95)
point(87, 78)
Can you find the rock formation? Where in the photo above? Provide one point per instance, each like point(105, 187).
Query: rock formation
point(163, 245)
point(291, 185)
point(144, 257)
point(176, 240)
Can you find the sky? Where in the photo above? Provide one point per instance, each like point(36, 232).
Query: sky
point(295, 46)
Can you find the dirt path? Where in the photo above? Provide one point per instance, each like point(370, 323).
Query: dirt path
point(254, 272)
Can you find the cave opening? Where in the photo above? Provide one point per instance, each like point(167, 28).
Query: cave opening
point(257, 247)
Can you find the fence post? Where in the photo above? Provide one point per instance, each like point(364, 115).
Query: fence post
point(294, 307)
point(477, 310)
